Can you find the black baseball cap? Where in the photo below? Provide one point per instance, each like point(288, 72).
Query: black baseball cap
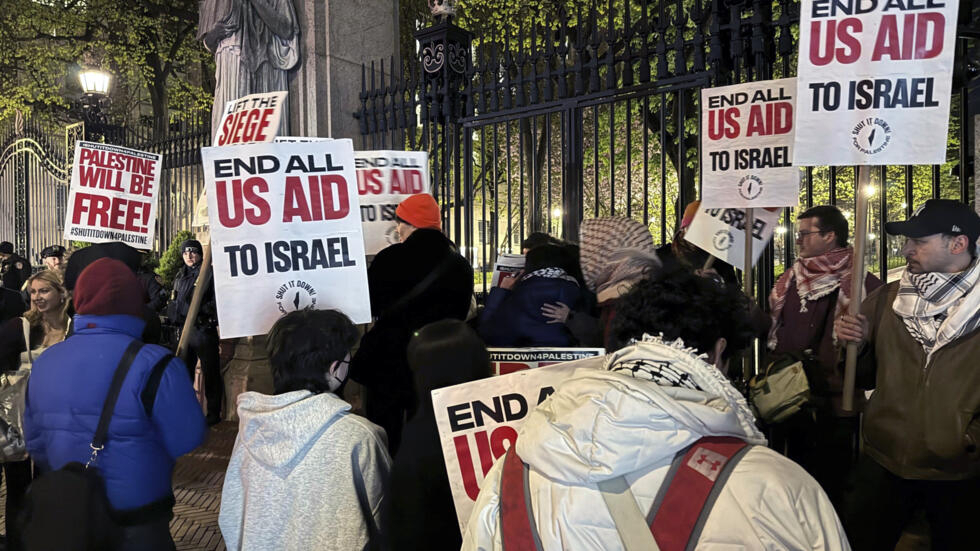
point(52, 250)
point(939, 216)
point(6, 247)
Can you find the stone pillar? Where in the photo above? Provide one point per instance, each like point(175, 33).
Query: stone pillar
point(248, 370)
point(337, 36)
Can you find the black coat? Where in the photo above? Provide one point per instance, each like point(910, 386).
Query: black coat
point(184, 282)
point(14, 271)
point(380, 363)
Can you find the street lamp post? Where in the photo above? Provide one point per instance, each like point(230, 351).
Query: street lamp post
point(95, 99)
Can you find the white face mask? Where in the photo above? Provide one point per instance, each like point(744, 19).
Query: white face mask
point(338, 373)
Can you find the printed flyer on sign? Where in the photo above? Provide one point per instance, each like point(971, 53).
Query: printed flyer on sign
point(478, 423)
point(384, 178)
point(747, 145)
point(285, 233)
point(504, 361)
point(506, 265)
point(874, 82)
point(113, 195)
point(721, 232)
point(250, 119)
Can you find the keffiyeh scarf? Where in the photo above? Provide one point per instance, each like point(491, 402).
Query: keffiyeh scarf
point(939, 308)
point(552, 273)
point(673, 364)
point(815, 277)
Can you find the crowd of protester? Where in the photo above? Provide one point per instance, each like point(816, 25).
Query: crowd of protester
point(309, 471)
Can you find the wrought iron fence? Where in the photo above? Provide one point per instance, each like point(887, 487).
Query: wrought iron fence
point(597, 113)
point(35, 161)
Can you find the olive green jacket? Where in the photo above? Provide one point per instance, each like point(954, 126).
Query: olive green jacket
point(923, 421)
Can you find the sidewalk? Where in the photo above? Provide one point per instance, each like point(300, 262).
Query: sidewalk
point(197, 486)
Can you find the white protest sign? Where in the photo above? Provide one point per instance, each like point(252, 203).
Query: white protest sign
point(384, 179)
point(113, 195)
point(747, 145)
point(874, 81)
point(250, 119)
point(507, 264)
point(478, 422)
point(504, 361)
point(721, 232)
point(285, 233)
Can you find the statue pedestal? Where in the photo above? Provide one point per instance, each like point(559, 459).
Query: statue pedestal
point(248, 370)
point(336, 37)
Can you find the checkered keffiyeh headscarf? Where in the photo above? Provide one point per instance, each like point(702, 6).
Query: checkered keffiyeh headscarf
point(937, 307)
point(815, 277)
point(614, 250)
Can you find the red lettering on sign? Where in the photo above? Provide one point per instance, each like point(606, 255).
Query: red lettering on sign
point(910, 43)
point(836, 31)
point(257, 213)
point(328, 199)
point(369, 182)
point(770, 119)
point(723, 123)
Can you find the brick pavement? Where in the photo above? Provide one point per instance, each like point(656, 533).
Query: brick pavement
point(197, 486)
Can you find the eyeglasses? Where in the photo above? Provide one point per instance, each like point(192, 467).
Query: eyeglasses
point(802, 234)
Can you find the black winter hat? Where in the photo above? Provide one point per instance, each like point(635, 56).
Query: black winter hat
point(192, 244)
point(6, 247)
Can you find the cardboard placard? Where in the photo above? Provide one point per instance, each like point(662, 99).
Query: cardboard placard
point(504, 361)
point(721, 232)
point(113, 195)
point(747, 145)
point(384, 179)
point(250, 119)
point(874, 82)
point(285, 233)
point(478, 422)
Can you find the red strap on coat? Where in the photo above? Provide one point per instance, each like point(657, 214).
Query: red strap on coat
point(515, 515)
point(687, 493)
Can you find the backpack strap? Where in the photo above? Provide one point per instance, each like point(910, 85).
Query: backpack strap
point(518, 531)
point(149, 394)
point(102, 431)
point(688, 494)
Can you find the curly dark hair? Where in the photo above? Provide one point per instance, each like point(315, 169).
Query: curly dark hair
point(679, 303)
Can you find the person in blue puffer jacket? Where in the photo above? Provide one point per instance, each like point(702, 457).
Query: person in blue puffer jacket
point(512, 316)
point(156, 419)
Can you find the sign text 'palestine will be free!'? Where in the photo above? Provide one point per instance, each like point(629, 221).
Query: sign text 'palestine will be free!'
point(874, 81)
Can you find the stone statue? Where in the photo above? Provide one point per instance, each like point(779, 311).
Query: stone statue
point(255, 42)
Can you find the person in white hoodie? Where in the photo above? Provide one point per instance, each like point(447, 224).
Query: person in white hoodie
point(627, 418)
point(305, 473)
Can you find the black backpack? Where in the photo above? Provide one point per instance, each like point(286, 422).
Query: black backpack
point(67, 509)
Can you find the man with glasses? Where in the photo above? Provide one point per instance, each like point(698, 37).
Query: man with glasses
point(920, 336)
point(804, 303)
point(202, 342)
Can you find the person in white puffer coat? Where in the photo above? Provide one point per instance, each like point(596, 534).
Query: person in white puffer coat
point(631, 412)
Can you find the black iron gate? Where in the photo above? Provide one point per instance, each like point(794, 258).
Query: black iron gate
point(597, 113)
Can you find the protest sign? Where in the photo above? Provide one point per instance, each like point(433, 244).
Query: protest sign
point(113, 195)
point(721, 232)
point(478, 422)
point(747, 145)
point(384, 179)
point(874, 81)
point(250, 119)
point(285, 231)
point(504, 361)
point(506, 265)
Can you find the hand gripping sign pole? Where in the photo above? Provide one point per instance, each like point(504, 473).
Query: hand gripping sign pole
point(199, 287)
point(857, 280)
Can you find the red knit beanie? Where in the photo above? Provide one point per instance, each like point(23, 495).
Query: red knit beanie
point(421, 211)
point(106, 287)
